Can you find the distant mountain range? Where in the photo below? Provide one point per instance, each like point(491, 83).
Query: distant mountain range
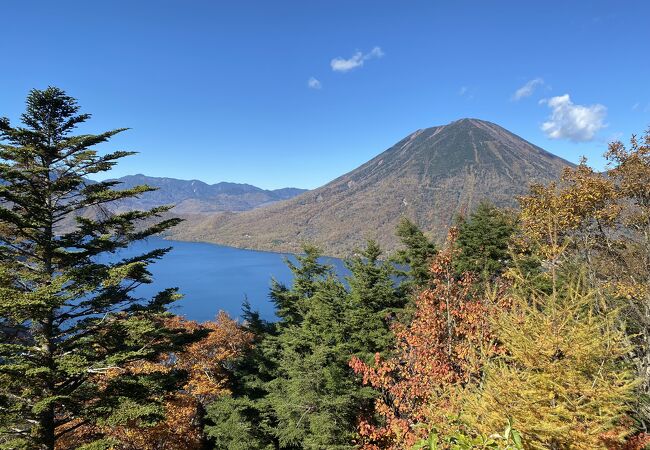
point(430, 176)
point(193, 197)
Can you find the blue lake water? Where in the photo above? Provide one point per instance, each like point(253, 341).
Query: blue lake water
point(213, 277)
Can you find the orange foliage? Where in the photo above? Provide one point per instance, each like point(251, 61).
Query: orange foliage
point(639, 441)
point(180, 430)
point(209, 360)
point(437, 352)
point(206, 362)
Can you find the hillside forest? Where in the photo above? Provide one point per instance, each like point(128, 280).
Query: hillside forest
point(527, 328)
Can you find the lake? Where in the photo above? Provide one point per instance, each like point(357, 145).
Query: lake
point(214, 277)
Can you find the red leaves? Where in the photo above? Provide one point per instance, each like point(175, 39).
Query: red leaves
point(435, 352)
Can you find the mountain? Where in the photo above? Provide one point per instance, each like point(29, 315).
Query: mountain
point(430, 176)
point(196, 197)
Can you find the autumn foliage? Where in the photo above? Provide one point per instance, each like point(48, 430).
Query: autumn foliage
point(205, 365)
point(436, 354)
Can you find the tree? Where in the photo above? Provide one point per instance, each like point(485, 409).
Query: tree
point(483, 240)
point(206, 361)
point(292, 303)
point(259, 392)
point(416, 255)
point(314, 395)
point(295, 387)
point(602, 220)
point(560, 375)
point(67, 317)
point(243, 419)
point(375, 301)
point(629, 254)
point(436, 354)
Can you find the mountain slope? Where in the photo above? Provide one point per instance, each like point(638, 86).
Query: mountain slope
point(430, 176)
point(197, 197)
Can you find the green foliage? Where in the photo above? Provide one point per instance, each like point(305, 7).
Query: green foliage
point(510, 439)
point(292, 303)
point(374, 301)
point(483, 240)
point(295, 388)
point(65, 316)
point(232, 425)
point(417, 254)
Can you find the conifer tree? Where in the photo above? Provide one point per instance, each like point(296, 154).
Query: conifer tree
point(602, 221)
point(416, 255)
point(244, 420)
point(250, 418)
point(68, 313)
point(291, 303)
point(560, 373)
point(295, 388)
point(314, 395)
point(483, 240)
point(375, 301)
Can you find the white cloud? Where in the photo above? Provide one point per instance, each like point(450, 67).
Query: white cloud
point(376, 52)
point(527, 89)
point(577, 123)
point(313, 83)
point(357, 60)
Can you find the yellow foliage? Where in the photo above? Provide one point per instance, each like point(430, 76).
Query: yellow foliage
point(561, 376)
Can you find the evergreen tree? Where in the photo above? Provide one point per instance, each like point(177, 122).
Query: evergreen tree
point(256, 395)
point(244, 420)
point(292, 303)
point(68, 318)
point(314, 395)
point(295, 388)
point(375, 300)
point(483, 241)
point(416, 255)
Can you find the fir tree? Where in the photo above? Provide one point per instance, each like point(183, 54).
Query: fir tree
point(483, 241)
point(416, 255)
point(295, 388)
point(375, 300)
point(68, 318)
point(257, 398)
point(291, 303)
point(314, 395)
point(244, 420)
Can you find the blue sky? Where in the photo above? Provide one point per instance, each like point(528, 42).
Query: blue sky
point(296, 93)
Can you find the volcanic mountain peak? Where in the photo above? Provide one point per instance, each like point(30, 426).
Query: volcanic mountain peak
point(430, 176)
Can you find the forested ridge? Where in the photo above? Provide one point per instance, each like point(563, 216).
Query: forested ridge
point(528, 328)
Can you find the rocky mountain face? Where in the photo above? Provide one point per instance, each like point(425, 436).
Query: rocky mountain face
point(430, 176)
point(193, 197)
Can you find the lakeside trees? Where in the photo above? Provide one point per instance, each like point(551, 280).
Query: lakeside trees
point(66, 317)
point(535, 323)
